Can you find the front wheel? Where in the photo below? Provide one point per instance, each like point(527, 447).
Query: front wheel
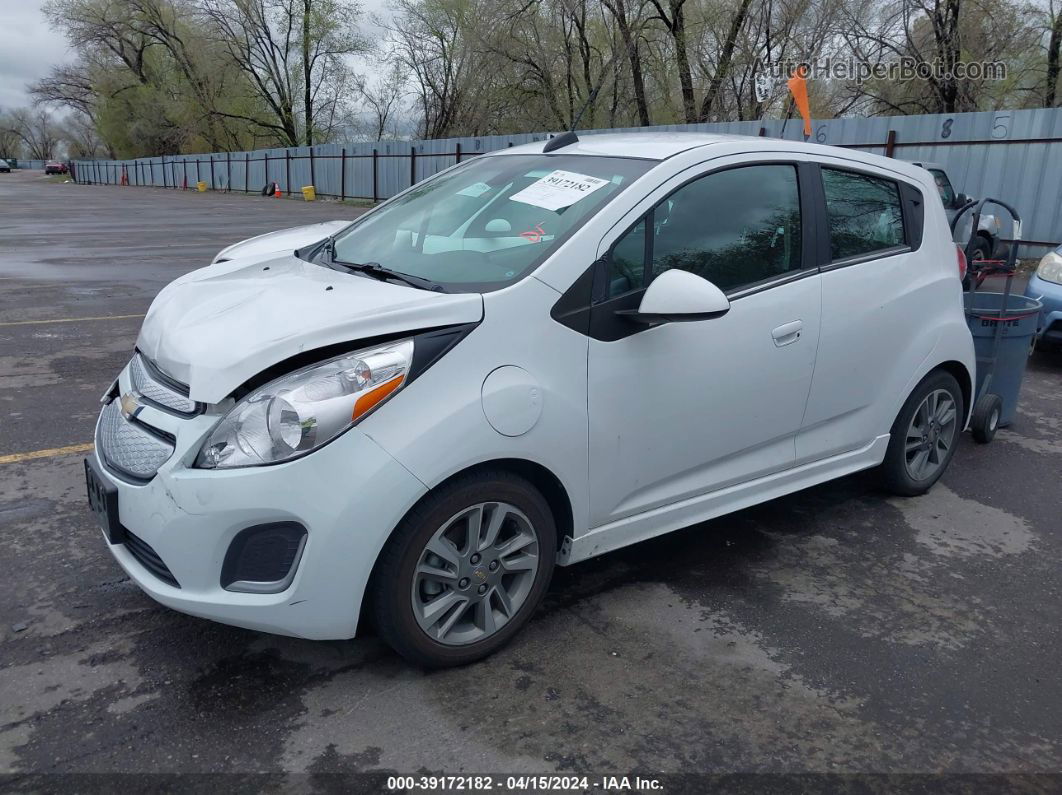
point(924, 435)
point(465, 570)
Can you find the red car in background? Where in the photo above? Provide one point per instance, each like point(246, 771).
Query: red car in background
point(55, 167)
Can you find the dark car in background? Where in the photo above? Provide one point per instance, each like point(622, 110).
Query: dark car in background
point(55, 167)
point(5, 167)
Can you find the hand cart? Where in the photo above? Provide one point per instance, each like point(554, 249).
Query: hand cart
point(1003, 327)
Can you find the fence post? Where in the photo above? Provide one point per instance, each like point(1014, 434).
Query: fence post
point(246, 170)
point(287, 171)
point(343, 175)
point(457, 151)
point(412, 166)
point(213, 183)
point(197, 177)
point(267, 183)
point(762, 132)
point(313, 172)
point(374, 191)
point(890, 143)
point(96, 169)
point(228, 172)
point(163, 167)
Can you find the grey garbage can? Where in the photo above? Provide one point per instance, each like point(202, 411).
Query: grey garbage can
point(1020, 322)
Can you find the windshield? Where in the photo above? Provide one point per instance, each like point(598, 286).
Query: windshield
point(487, 223)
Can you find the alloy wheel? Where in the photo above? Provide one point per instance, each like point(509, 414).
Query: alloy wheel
point(475, 573)
point(931, 434)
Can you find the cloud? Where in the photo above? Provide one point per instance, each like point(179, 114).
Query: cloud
point(29, 48)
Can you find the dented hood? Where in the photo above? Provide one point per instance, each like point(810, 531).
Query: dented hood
point(216, 327)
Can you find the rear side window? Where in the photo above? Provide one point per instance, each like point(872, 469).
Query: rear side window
point(864, 212)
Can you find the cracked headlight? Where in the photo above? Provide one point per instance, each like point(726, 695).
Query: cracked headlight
point(307, 408)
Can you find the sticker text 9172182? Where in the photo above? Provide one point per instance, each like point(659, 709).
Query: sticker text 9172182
point(558, 189)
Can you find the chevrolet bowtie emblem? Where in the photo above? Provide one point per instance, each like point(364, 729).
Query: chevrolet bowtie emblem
point(130, 403)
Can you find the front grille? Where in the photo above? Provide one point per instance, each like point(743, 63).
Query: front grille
point(158, 389)
point(128, 447)
point(149, 559)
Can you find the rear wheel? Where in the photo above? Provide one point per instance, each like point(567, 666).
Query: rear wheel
point(924, 435)
point(465, 570)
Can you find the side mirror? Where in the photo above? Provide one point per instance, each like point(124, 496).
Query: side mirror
point(961, 199)
point(678, 296)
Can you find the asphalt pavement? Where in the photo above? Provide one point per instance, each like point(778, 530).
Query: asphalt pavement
point(832, 631)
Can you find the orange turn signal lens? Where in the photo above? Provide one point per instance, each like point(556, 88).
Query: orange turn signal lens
point(375, 396)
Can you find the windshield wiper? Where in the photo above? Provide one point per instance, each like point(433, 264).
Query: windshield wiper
point(378, 271)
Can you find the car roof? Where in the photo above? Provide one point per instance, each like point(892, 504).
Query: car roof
point(660, 145)
point(652, 145)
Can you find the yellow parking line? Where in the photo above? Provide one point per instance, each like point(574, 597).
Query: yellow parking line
point(70, 449)
point(66, 320)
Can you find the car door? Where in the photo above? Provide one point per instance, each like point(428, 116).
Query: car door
point(873, 305)
point(680, 409)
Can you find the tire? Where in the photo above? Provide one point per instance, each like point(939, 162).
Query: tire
point(404, 582)
point(982, 249)
point(910, 470)
point(985, 420)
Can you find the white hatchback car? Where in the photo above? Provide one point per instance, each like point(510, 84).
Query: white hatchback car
point(530, 359)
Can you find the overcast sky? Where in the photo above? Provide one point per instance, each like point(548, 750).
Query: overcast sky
point(29, 48)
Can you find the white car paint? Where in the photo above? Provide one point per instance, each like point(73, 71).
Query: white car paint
point(283, 241)
point(214, 328)
point(793, 386)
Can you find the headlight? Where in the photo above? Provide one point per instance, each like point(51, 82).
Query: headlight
point(304, 410)
point(1050, 269)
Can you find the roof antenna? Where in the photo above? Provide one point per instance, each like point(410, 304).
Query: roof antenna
point(568, 138)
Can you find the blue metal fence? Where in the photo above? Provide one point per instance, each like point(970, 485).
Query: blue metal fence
point(1012, 155)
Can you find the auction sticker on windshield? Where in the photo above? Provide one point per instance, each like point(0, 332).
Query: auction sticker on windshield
point(558, 189)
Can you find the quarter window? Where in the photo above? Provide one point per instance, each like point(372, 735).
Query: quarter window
point(734, 228)
point(864, 213)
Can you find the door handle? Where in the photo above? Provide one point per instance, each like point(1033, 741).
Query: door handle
point(787, 333)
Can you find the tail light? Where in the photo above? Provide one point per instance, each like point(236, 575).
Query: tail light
point(960, 255)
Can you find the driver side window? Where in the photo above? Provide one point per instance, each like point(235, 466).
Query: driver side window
point(734, 227)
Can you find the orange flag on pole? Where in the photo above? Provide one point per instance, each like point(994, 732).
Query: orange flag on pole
point(798, 87)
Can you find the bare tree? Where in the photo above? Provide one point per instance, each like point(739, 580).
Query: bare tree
point(292, 52)
point(1054, 45)
point(433, 39)
point(630, 19)
point(35, 130)
point(725, 61)
point(382, 99)
point(674, 19)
